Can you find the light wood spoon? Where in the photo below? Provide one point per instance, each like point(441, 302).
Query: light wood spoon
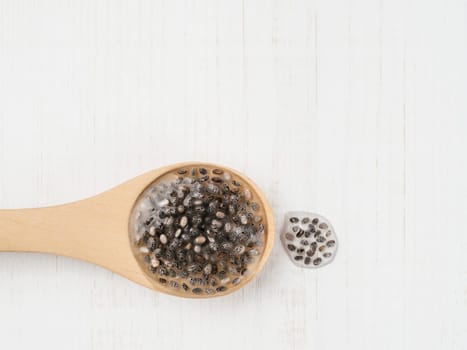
point(96, 229)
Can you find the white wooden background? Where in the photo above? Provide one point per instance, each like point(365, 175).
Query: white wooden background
point(356, 109)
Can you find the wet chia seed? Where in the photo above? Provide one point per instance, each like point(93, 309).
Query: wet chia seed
point(195, 227)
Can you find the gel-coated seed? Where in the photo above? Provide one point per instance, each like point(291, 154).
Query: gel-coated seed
point(207, 269)
point(323, 226)
point(163, 202)
point(312, 249)
point(289, 236)
point(254, 252)
point(163, 239)
point(291, 247)
point(183, 221)
point(320, 239)
point(200, 240)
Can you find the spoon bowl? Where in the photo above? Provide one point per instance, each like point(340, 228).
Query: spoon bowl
point(98, 229)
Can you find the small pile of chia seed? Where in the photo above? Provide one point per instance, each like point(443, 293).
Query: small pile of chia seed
point(197, 230)
point(309, 239)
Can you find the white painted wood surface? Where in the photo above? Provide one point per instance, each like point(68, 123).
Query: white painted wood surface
point(355, 109)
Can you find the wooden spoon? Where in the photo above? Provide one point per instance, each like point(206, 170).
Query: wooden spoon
point(97, 229)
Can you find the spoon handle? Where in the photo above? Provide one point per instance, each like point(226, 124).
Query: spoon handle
point(35, 230)
point(84, 230)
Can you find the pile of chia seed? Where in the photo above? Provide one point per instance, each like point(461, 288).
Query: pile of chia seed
point(197, 230)
point(309, 239)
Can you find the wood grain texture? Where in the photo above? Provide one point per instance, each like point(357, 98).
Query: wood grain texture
point(354, 109)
